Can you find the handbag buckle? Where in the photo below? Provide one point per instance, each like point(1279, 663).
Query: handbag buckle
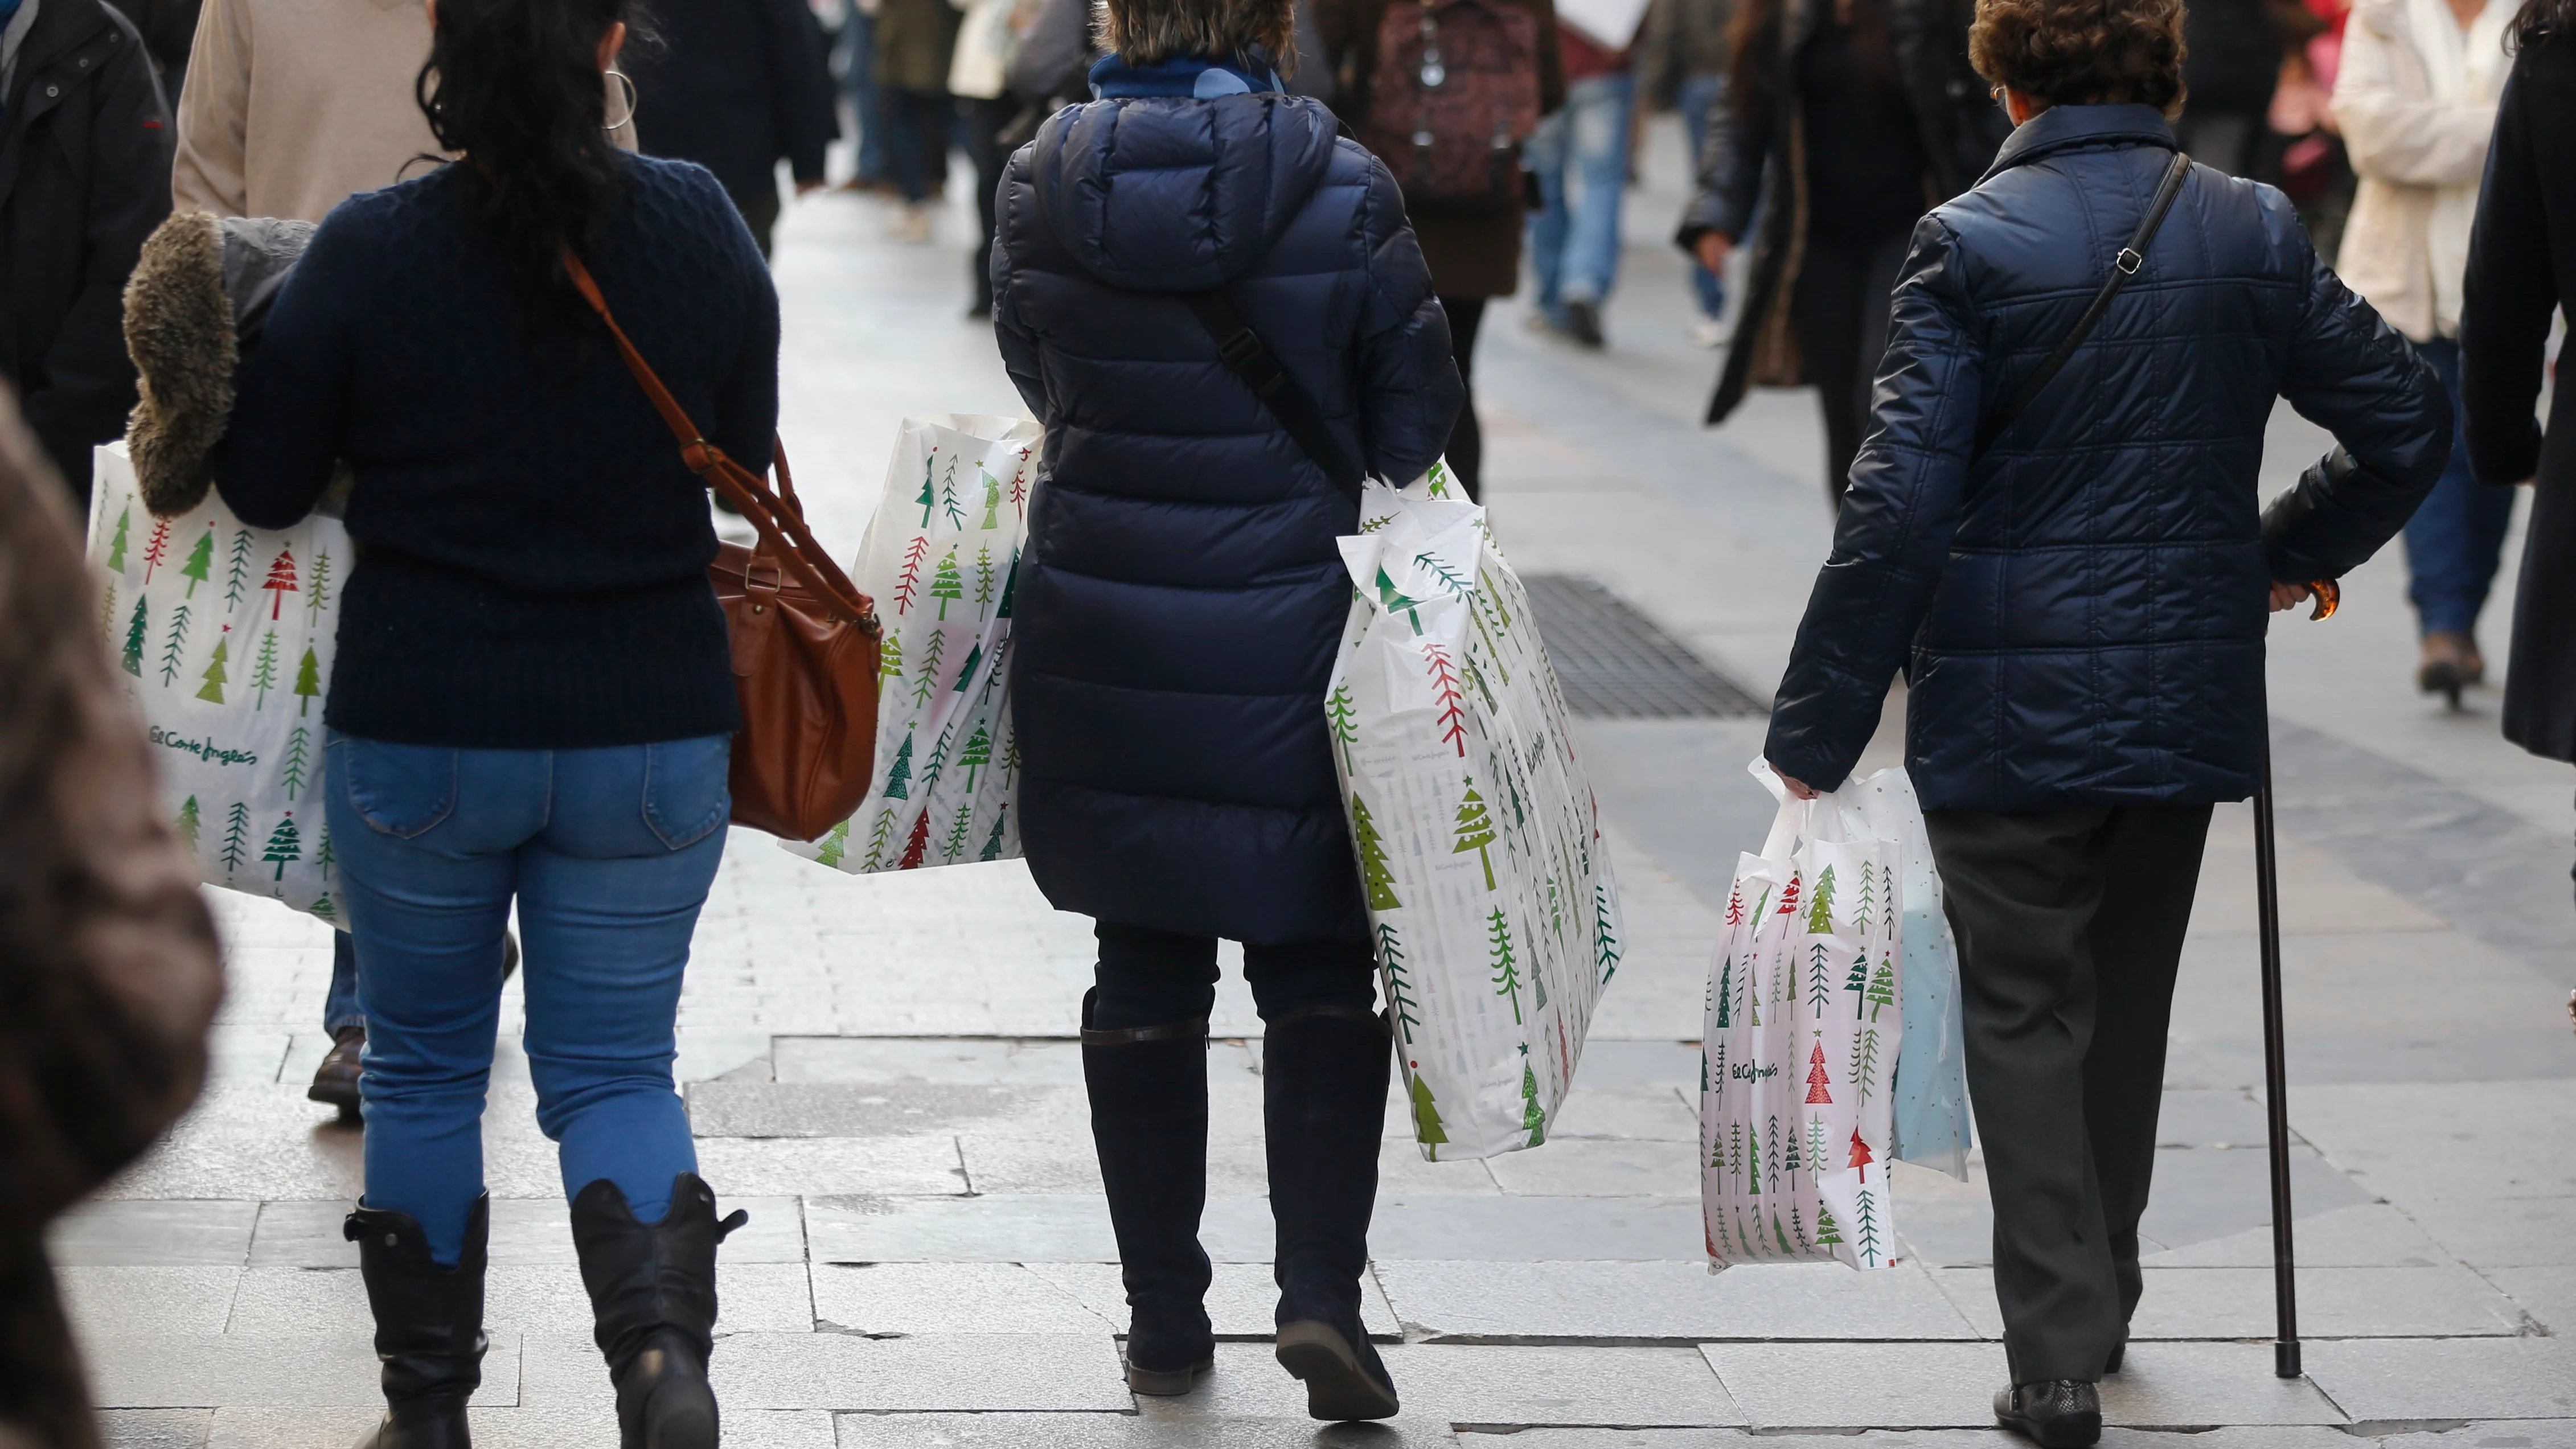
point(2128, 261)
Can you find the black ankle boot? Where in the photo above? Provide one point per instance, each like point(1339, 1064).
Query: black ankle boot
point(653, 1294)
point(1149, 1118)
point(2054, 1414)
point(429, 1325)
point(1323, 1087)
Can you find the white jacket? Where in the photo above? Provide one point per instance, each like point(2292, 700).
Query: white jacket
point(2415, 97)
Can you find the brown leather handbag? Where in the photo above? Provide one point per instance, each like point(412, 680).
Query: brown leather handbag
point(805, 640)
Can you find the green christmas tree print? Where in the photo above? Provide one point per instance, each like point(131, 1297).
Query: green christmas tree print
point(1449, 578)
point(189, 824)
point(984, 574)
point(927, 684)
point(323, 856)
point(889, 661)
point(1010, 586)
point(992, 497)
point(236, 838)
point(156, 548)
point(1394, 600)
point(1010, 755)
point(285, 846)
point(1820, 909)
point(1399, 979)
point(966, 671)
point(1864, 1063)
point(298, 759)
point(899, 778)
point(993, 842)
point(263, 670)
point(1865, 1241)
point(955, 845)
point(1507, 966)
point(201, 561)
point(1605, 938)
point(317, 594)
point(948, 497)
point(1866, 909)
point(931, 772)
point(1726, 992)
point(1427, 1127)
point(1882, 987)
point(214, 677)
point(1815, 1144)
point(1820, 979)
point(280, 581)
point(1781, 1235)
point(1827, 1235)
point(116, 545)
point(1857, 983)
point(135, 627)
point(1533, 1116)
point(1735, 1153)
point(308, 682)
point(237, 573)
point(976, 754)
point(929, 499)
point(1752, 1164)
point(947, 586)
point(880, 839)
point(1377, 878)
point(322, 910)
point(833, 845)
point(1475, 832)
point(1790, 1163)
point(1343, 714)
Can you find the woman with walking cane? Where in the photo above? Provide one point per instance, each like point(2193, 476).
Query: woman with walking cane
point(2053, 527)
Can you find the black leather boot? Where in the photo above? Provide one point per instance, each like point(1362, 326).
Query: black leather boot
point(2055, 1414)
point(653, 1296)
point(1324, 1100)
point(429, 1325)
point(1149, 1118)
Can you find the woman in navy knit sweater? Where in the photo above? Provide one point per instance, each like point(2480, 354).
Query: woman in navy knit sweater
point(533, 698)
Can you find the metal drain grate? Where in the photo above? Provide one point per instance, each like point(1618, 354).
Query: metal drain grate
point(1615, 664)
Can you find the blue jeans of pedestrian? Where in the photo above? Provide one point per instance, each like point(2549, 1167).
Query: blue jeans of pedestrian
point(609, 854)
point(1699, 100)
point(859, 83)
point(1580, 155)
point(2456, 539)
point(340, 1008)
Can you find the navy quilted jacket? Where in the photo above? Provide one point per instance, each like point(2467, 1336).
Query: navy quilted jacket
point(2080, 611)
point(1182, 594)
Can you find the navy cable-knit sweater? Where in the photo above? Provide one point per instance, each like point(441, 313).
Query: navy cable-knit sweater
point(532, 552)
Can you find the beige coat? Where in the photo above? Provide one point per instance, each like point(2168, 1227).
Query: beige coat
point(326, 110)
point(2415, 108)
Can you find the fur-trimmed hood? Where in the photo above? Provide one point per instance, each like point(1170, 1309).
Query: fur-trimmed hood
point(193, 309)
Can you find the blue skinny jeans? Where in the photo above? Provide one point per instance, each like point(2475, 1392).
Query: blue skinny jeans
point(1701, 97)
point(1574, 238)
point(2455, 541)
point(609, 854)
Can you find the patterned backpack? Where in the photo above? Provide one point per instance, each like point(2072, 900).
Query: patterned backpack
point(1453, 97)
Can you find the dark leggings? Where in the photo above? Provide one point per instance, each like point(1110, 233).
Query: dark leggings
point(984, 121)
point(1466, 436)
point(1840, 309)
point(1149, 977)
point(919, 125)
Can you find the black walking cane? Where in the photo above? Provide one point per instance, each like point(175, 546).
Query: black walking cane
point(2276, 1069)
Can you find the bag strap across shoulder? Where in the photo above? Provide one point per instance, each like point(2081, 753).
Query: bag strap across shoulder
point(1248, 357)
point(2123, 267)
point(777, 516)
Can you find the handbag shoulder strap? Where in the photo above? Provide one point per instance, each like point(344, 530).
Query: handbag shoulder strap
point(1248, 357)
point(2123, 267)
point(779, 520)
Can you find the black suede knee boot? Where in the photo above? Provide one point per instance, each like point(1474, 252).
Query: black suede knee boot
point(1149, 1118)
point(653, 1296)
point(1324, 1099)
point(429, 1325)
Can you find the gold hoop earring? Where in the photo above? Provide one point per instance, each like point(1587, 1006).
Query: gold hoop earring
point(627, 83)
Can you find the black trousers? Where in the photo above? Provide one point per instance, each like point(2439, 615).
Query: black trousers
point(1466, 452)
point(2070, 927)
point(919, 125)
point(1148, 977)
point(983, 121)
point(1839, 308)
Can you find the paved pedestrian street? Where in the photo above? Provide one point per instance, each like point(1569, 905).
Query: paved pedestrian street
point(883, 1070)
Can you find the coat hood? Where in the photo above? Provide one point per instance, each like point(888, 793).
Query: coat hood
point(195, 303)
point(1173, 194)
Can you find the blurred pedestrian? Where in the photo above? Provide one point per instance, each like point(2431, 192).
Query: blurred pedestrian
point(737, 86)
point(2229, 75)
point(2415, 96)
point(916, 45)
point(1498, 67)
point(1842, 116)
point(168, 28)
point(525, 710)
point(108, 967)
point(2075, 582)
point(1681, 66)
point(1580, 157)
point(858, 64)
point(84, 157)
point(2521, 276)
point(1178, 609)
point(979, 77)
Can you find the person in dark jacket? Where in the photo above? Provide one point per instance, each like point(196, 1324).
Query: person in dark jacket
point(534, 697)
point(2522, 269)
point(2079, 604)
point(84, 177)
point(1683, 52)
point(1179, 606)
point(2234, 64)
point(737, 86)
point(1878, 99)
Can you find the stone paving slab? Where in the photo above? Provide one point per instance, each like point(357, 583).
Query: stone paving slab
point(2502, 1436)
point(307, 1370)
point(1482, 1384)
point(870, 1109)
point(2365, 1235)
point(104, 1233)
point(2449, 1379)
point(1242, 1301)
point(528, 1298)
point(781, 1167)
point(929, 1372)
point(1660, 1113)
point(1129, 1431)
point(2443, 1301)
point(2547, 1294)
point(2181, 1385)
point(1583, 1168)
point(1665, 1302)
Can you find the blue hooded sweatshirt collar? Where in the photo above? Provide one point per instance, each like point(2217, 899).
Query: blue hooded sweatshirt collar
point(1188, 76)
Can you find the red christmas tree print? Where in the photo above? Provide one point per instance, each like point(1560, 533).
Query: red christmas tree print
point(910, 579)
point(1453, 703)
point(918, 846)
point(1816, 1078)
point(1735, 907)
point(1789, 898)
point(1860, 1155)
point(158, 549)
point(281, 580)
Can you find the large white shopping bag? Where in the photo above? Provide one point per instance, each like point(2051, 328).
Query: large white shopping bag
point(941, 559)
point(1480, 848)
point(1799, 1052)
point(226, 635)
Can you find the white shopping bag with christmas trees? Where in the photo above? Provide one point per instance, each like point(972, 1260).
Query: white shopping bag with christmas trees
point(941, 559)
point(226, 634)
point(1799, 1051)
point(1480, 849)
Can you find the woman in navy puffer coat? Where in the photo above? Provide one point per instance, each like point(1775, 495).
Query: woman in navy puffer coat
point(1179, 607)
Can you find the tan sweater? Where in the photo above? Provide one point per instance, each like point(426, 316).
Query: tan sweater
point(292, 106)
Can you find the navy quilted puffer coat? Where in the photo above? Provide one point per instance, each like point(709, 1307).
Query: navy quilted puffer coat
point(1182, 594)
point(2080, 611)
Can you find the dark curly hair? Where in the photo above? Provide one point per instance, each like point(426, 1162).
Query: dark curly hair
point(2541, 22)
point(2083, 52)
